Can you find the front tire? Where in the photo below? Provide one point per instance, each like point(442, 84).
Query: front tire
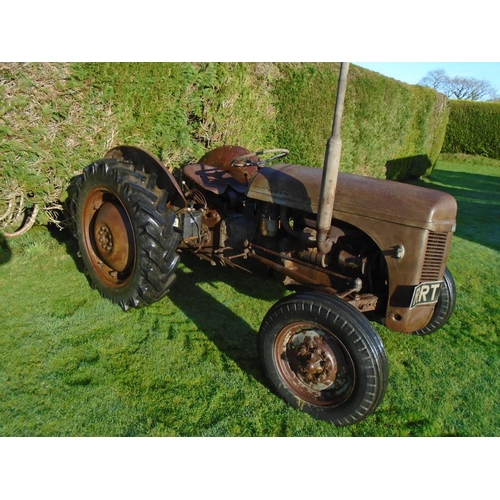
point(125, 232)
point(444, 306)
point(323, 356)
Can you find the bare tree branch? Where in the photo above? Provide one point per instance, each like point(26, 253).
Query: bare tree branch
point(436, 80)
point(459, 87)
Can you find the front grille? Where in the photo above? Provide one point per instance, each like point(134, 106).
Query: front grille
point(434, 256)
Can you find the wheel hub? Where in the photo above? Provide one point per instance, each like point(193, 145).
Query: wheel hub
point(312, 359)
point(105, 239)
point(111, 236)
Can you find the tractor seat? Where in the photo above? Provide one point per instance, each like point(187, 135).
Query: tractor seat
point(213, 179)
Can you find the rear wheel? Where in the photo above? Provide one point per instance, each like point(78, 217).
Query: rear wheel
point(323, 356)
point(126, 233)
point(444, 306)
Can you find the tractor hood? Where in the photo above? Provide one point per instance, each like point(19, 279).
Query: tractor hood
point(298, 187)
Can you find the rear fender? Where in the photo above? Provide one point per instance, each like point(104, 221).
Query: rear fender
point(151, 164)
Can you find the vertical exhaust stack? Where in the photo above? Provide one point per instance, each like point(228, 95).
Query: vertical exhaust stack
point(331, 167)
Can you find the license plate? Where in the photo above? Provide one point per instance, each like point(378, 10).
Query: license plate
point(426, 293)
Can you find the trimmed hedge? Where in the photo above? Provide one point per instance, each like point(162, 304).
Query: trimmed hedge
point(57, 118)
point(389, 130)
point(178, 111)
point(473, 128)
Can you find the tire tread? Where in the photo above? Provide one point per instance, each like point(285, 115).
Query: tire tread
point(356, 329)
point(156, 239)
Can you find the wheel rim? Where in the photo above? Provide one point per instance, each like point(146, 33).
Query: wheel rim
point(108, 237)
point(314, 364)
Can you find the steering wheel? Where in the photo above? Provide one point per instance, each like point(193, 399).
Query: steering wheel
point(245, 160)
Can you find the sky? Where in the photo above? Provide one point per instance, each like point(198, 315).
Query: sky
point(413, 72)
point(263, 30)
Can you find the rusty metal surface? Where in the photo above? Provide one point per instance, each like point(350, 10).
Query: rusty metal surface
point(312, 359)
point(313, 364)
point(364, 302)
point(314, 276)
point(298, 187)
point(422, 262)
point(222, 157)
point(108, 237)
point(213, 179)
point(331, 167)
point(295, 275)
point(436, 255)
point(111, 236)
point(399, 218)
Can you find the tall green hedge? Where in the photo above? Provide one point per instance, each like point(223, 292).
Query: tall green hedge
point(57, 118)
point(390, 129)
point(473, 128)
point(179, 110)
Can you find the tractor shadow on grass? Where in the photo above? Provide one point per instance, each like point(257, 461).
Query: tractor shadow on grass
point(196, 292)
point(64, 237)
point(5, 251)
point(230, 331)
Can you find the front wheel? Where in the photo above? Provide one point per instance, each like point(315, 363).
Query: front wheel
point(324, 357)
point(125, 232)
point(444, 306)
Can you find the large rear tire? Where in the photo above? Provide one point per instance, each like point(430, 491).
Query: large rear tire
point(125, 232)
point(323, 356)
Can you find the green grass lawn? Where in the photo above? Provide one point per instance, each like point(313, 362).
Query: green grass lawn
point(73, 364)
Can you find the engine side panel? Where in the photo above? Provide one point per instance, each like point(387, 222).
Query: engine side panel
point(298, 187)
point(404, 221)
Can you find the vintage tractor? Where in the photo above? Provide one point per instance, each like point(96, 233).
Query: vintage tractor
point(354, 249)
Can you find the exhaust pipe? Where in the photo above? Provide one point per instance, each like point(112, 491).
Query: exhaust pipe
point(331, 168)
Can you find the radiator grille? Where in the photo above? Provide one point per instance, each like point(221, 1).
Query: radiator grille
point(434, 255)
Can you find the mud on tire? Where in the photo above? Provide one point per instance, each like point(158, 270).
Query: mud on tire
point(126, 233)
